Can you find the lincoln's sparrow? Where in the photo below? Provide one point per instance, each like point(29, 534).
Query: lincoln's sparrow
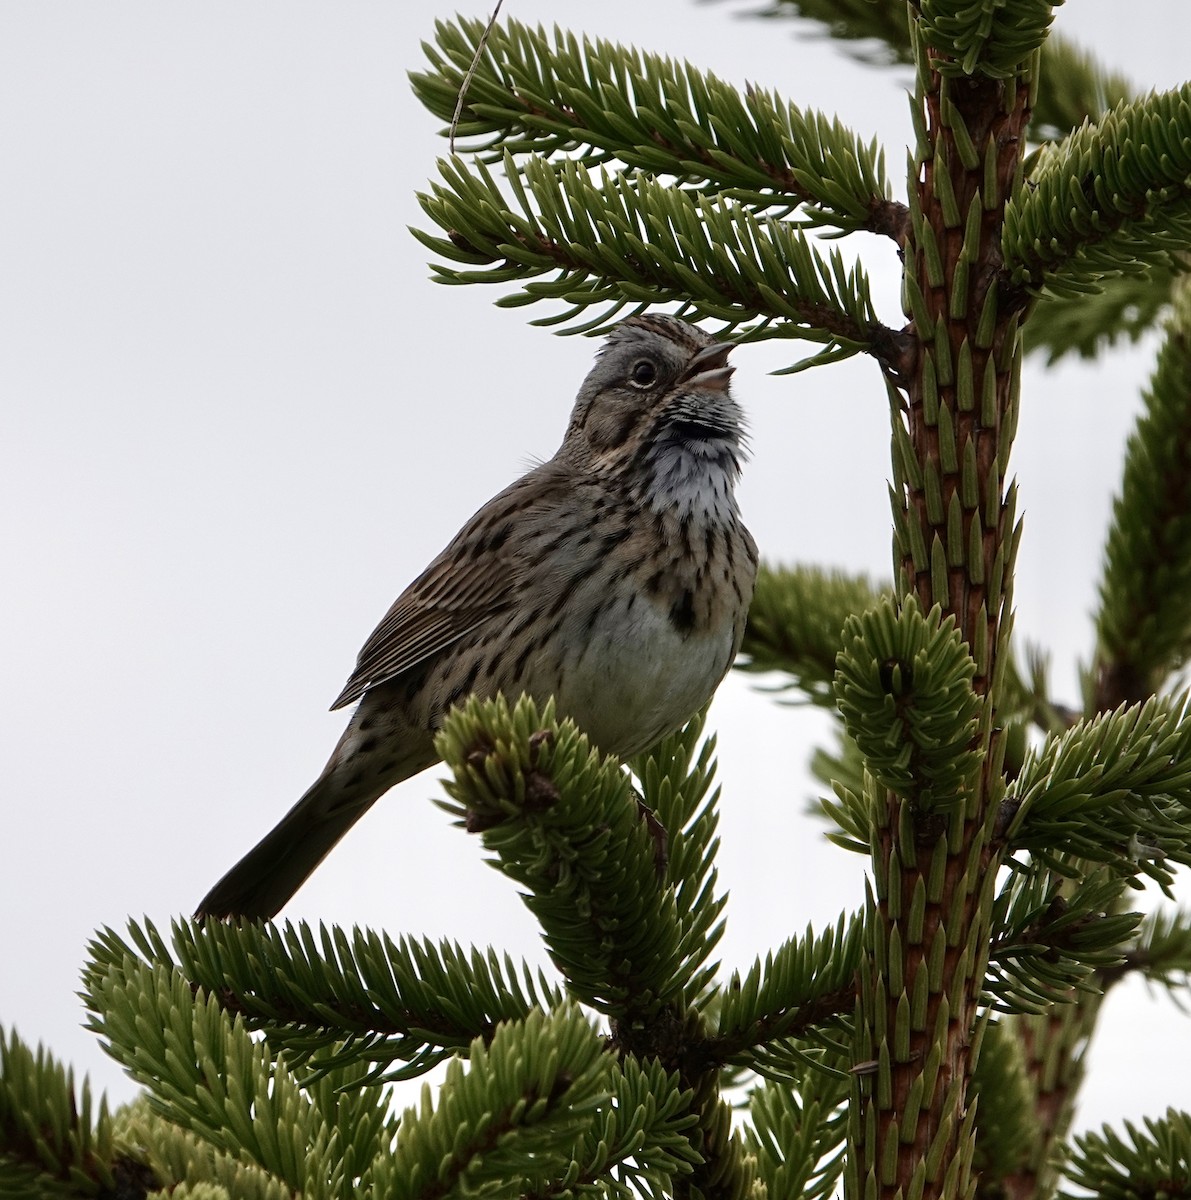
point(615, 577)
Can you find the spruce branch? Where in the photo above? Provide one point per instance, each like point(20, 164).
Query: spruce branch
point(797, 1132)
point(850, 809)
point(1052, 937)
point(877, 34)
point(799, 996)
point(193, 1167)
point(536, 94)
point(1087, 323)
point(1055, 1045)
point(1053, 1048)
point(1005, 1131)
point(904, 689)
point(205, 1073)
point(1161, 952)
point(796, 621)
point(850, 812)
point(626, 240)
point(640, 1143)
point(54, 1141)
point(1073, 85)
point(796, 626)
point(561, 821)
point(1114, 790)
point(1143, 627)
point(990, 38)
point(955, 537)
point(331, 998)
point(1154, 1161)
point(844, 770)
point(676, 779)
point(1113, 197)
point(507, 1123)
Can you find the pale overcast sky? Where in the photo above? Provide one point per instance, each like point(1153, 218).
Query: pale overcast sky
point(238, 418)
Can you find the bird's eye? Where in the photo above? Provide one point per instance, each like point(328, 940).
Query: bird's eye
point(643, 373)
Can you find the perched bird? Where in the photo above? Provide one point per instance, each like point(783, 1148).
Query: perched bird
point(615, 577)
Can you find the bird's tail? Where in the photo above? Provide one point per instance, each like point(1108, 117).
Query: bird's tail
point(272, 871)
point(378, 749)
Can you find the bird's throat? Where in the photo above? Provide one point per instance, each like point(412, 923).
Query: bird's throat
point(694, 480)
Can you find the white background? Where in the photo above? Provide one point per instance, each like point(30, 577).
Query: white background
point(237, 418)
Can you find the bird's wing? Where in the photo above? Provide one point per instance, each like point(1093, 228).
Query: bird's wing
point(474, 579)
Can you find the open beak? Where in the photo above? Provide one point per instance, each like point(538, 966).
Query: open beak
point(709, 368)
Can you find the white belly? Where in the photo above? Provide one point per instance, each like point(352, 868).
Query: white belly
point(634, 678)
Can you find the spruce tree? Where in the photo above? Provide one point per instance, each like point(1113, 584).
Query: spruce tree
point(930, 1044)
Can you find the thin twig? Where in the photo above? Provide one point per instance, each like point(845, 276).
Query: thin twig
point(471, 71)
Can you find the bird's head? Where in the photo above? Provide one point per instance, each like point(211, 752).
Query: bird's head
point(659, 385)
